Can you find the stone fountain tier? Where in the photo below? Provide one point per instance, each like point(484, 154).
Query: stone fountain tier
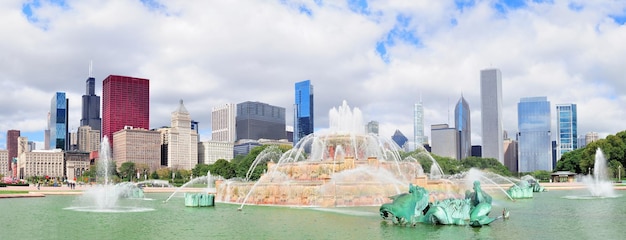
point(199, 200)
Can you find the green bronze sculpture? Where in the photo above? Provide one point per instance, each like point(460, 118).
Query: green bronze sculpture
point(413, 207)
point(525, 189)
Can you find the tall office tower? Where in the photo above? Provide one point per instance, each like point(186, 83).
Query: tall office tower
point(372, 127)
point(445, 141)
point(400, 139)
point(58, 122)
point(12, 136)
point(88, 139)
point(182, 150)
point(256, 120)
point(46, 134)
point(510, 154)
point(591, 137)
point(491, 111)
point(91, 106)
point(223, 123)
point(418, 126)
point(463, 126)
point(126, 102)
point(303, 111)
point(535, 146)
point(566, 129)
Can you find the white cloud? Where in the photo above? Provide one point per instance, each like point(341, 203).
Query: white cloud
point(210, 53)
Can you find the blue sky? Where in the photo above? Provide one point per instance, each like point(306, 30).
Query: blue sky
point(380, 56)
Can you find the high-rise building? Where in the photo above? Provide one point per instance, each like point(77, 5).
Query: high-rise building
point(463, 126)
point(535, 146)
point(372, 127)
point(5, 163)
point(591, 137)
point(88, 139)
point(303, 110)
point(419, 139)
point(445, 140)
point(510, 154)
point(491, 111)
point(140, 146)
point(58, 122)
point(400, 139)
point(126, 102)
point(182, 150)
point(91, 106)
point(223, 123)
point(256, 120)
point(12, 136)
point(566, 129)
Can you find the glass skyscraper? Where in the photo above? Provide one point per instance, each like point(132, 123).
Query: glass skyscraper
point(58, 122)
point(91, 106)
point(535, 146)
point(567, 130)
point(464, 128)
point(303, 110)
point(256, 120)
point(491, 111)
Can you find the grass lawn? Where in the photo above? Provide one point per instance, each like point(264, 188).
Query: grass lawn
point(12, 192)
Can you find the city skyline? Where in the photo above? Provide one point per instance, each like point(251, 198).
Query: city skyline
point(377, 56)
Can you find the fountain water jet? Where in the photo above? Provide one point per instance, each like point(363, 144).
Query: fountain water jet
point(105, 197)
point(339, 166)
point(598, 184)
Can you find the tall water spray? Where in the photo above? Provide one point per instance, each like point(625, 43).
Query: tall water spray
point(599, 185)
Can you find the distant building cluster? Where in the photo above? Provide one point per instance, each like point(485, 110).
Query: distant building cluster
point(237, 128)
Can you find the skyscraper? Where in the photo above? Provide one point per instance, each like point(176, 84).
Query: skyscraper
point(12, 136)
point(372, 127)
point(535, 146)
point(223, 123)
point(400, 139)
point(91, 106)
point(418, 126)
point(303, 110)
point(58, 122)
point(256, 120)
point(445, 140)
point(182, 141)
point(126, 102)
point(463, 126)
point(491, 111)
point(566, 129)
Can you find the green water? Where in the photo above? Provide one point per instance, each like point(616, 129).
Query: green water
point(547, 216)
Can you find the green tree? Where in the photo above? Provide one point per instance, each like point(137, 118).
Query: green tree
point(127, 171)
point(154, 175)
point(570, 161)
point(164, 173)
point(200, 169)
point(223, 168)
point(541, 175)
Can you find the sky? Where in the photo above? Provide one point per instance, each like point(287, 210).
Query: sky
point(380, 56)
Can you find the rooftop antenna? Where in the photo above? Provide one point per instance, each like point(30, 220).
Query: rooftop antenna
point(90, 68)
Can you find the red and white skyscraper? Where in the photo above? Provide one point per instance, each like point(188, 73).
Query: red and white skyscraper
point(125, 102)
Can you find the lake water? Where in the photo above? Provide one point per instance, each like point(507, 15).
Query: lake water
point(550, 215)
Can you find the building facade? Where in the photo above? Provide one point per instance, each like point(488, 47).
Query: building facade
point(303, 110)
point(88, 139)
point(463, 126)
point(126, 102)
point(59, 122)
point(510, 154)
point(535, 144)
point(372, 127)
point(566, 129)
point(445, 141)
point(182, 150)
point(211, 151)
point(400, 139)
point(223, 123)
point(39, 162)
point(12, 136)
point(76, 164)
point(91, 106)
point(419, 137)
point(137, 145)
point(591, 137)
point(491, 111)
point(5, 163)
point(256, 120)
